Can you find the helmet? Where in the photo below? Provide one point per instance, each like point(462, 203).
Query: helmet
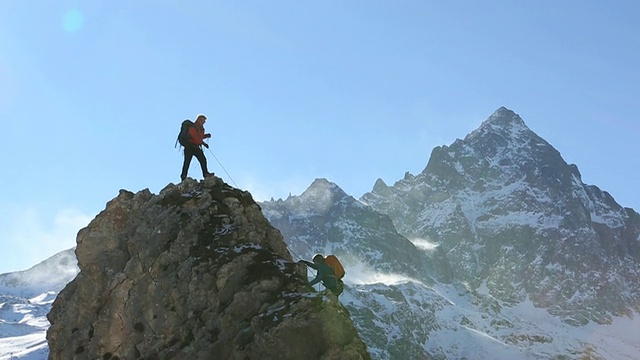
point(317, 257)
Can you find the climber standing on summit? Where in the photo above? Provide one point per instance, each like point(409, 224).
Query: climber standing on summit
point(193, 143)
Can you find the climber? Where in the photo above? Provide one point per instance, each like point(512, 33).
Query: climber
point(194, 135)
point(329, 272)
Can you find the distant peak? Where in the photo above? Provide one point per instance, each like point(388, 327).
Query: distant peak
point(321, 183)
point(502, 121)
point(322, 187)
point(320, 196)
point(380, 183)
point(504, 116)
point(504, 110)
point(380, 187)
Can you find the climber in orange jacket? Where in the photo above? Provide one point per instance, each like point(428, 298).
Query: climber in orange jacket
point(325, 274)
point(194, 147)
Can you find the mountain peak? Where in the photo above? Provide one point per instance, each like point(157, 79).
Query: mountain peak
point(504, 117)
point(503, 111)
point(322, 188)
point(380, 187)
point(504, 122)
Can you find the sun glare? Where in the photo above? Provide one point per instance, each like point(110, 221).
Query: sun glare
point(73, 21)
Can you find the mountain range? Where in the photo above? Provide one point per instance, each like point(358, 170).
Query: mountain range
point(500, 249)
point(496, 250)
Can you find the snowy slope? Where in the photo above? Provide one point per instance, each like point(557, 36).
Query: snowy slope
point(25, 299)
point(50, 275)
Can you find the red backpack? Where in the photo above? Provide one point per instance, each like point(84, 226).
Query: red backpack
point(335, 265)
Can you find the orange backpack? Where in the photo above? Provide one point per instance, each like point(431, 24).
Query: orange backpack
point(335, 265)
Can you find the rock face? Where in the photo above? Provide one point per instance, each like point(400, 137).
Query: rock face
point(195, 272)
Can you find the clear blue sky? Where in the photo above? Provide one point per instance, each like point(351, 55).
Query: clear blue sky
point(92, 94)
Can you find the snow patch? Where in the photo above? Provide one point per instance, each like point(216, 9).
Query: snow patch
point(424, 244)
point(26, 347)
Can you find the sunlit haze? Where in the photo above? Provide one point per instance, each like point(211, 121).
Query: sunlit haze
point(92, 94)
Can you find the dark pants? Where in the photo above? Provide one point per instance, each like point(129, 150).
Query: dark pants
point(189, 152)
point(337, 288)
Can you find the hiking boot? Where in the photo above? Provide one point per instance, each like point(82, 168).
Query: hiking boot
point(209, 174)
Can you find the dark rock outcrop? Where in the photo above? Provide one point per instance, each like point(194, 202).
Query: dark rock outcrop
point(195, 272)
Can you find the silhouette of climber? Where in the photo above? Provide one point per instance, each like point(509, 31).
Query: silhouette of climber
point(193, 147)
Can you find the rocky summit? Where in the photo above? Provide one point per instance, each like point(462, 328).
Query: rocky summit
point(195, 272)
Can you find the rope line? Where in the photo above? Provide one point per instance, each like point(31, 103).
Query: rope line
point(222, 166)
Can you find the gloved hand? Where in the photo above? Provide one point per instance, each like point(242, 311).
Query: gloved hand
point(205, 145)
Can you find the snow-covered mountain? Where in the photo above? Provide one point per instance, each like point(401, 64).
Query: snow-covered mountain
point(515, 218)
point(513, 257)
point(25, 299)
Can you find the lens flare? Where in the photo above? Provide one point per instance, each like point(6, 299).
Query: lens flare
point(72, 21)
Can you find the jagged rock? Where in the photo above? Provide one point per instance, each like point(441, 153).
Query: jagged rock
point(195, 272)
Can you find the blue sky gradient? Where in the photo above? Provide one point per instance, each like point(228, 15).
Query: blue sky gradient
point(92, 94)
